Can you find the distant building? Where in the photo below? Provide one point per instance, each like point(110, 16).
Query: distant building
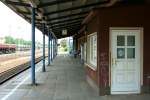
point(2, 40)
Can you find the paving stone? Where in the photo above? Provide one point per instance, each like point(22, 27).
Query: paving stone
point(64, 80)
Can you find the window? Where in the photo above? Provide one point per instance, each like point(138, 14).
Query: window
point(85, 52)
point(125, 46)
point(92, 50)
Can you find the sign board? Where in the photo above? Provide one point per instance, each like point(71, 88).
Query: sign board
point(64, 32)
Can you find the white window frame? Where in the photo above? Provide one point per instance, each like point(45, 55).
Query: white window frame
point(92, 57)
point(85, 59)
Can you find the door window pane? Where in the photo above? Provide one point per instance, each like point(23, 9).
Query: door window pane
point(131, 53)
point(131, 40)
point(120, 53)
point(120, 40)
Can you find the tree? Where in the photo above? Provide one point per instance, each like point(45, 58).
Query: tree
point(63, 43)
point(9, 40)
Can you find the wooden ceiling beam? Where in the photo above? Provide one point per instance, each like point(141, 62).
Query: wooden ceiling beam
point(17, 3)
point(79, 7)
point(66, 27)
point(66, 16)
point(66, 24)
point(64, 21)
point(54, 3)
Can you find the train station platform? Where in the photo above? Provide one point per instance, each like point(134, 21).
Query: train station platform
point(64, 79)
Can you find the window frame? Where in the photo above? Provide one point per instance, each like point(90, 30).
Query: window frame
point(92, 62)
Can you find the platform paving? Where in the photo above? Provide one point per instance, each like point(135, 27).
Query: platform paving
point(64, 79)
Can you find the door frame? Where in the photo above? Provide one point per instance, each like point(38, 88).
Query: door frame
point(141, 55)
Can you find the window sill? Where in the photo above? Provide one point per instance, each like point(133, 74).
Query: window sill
point(91, 66)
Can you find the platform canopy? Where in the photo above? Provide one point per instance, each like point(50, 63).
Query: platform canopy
point(58, 14)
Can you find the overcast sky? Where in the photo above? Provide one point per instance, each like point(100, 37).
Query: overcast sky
point(13, 25)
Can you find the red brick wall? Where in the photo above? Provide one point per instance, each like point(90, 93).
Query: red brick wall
point(92, 27)
point(131, 16)
point(123, 16)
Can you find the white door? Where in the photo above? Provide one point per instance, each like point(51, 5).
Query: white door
point(125, 62)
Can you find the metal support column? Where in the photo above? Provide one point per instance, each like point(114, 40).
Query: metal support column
point(43, 31)
point(69, 46)
point(48, 47)
point(33, 48)
point(51, 47)
point(54, 48)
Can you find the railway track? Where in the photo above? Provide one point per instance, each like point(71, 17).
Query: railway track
point(8, 74)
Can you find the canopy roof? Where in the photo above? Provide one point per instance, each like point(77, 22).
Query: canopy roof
point(59, 14)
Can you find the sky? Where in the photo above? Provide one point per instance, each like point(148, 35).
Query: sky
point(13, 25)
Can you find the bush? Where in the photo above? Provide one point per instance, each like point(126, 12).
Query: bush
point(65, 49)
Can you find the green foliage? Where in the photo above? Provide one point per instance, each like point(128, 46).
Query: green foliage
point(65, 49)
point(63, 43)
point(11, 40)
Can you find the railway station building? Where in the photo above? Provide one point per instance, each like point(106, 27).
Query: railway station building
point(111, 35)
point(114, 40)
